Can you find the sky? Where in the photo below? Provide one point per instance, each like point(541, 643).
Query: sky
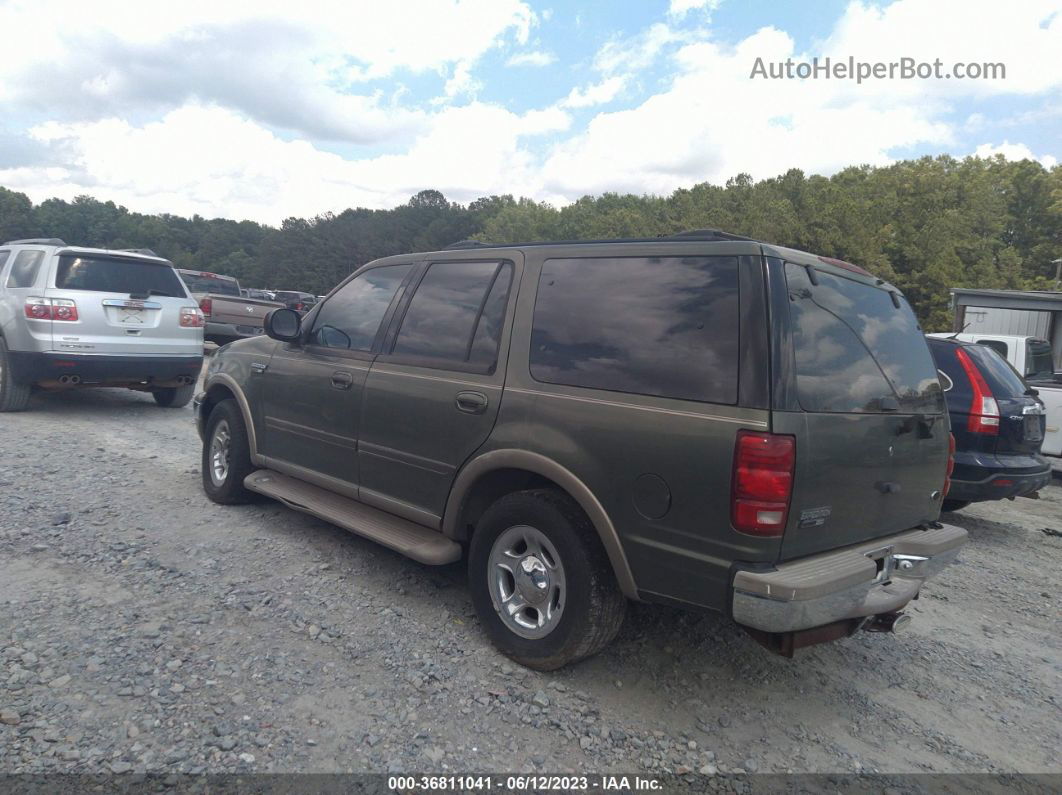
point(266, 109)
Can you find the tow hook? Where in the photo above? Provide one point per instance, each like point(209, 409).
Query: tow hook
point(888, 622)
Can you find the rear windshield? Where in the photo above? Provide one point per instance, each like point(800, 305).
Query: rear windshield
point(1039, 362)
point(856, 351)
point(1001, 376)
point(198, 283)
point(118, 275)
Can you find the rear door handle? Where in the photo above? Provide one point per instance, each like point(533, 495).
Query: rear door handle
point(341, 380)
point(471, 402)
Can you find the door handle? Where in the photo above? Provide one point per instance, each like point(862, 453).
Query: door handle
point(341, 380)
point(471, 402)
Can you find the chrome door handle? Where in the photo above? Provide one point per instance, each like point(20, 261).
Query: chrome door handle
point(471, 402)
point(341, 380)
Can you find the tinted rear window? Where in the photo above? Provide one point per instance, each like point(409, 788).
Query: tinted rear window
point(126, 276)
point(1002, 378)
point(24, 268)
point(198, 283)
point(664, 326)
point(855, 350)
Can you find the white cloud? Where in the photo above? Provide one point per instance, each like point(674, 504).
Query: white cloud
point(214, 162)
point(532, 58)
point(597, 94)
point(679, 8)
point(1014, 152)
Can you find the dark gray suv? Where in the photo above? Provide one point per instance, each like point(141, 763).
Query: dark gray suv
point(703, 420)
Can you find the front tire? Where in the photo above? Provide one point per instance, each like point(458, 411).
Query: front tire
point(541, 582)
point(174, 397)
point(227, 456)
point(954, 505)
point(14, 395)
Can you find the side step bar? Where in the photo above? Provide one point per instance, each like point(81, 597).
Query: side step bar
point(412, 540)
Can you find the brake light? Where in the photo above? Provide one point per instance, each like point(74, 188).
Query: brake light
point(51, 309)
point(984, 411)
point(951, 465)
point(192, 317)
point(762, 482)
point(206, 305)
point(298, 306)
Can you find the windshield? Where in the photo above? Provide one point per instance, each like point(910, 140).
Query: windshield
point(118, 275)
point(200, 283)
point(858, 348)
point(1039, 361)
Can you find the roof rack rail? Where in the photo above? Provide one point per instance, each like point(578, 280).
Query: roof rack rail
point(37, 241)
point(468, 244)
point(708, 234)
point(147, 251)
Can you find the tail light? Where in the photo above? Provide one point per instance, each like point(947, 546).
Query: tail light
point(205, 306)
point(762, 482)
point(951, 465)
point(51, 309)
point(192, 317)
point(298, 306)
point(984, 411)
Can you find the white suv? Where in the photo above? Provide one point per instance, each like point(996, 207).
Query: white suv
point(73, 317)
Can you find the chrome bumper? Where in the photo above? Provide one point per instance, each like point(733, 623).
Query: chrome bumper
point(879, 576)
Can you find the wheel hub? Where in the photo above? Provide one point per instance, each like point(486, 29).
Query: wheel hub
point(532, 579)
point(527, 581)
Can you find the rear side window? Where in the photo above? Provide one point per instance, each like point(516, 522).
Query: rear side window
point(856, 351)
point(4, 255)
point(1002, 378)
point(1039, 360)
point(125, 276)
point(200, 283)
point(350, 319)
point(665, 326)
point(456, 313)
point(24, 268)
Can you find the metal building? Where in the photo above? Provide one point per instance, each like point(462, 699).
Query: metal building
point(1031, 313)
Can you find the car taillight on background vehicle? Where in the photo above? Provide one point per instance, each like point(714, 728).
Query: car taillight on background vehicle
point(51, 309)
point(984, 411)
point(192, 317)
point(951, 465)
point(299, 306)
point(205, 305)
point(762, 482)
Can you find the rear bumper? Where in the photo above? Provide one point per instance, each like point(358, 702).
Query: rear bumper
point(867, 579)
point(980, 478)
point(230, 330)
point(98, 368)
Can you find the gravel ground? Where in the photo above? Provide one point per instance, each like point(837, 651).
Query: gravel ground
point(144, 628)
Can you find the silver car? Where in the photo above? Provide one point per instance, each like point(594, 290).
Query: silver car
point(74, 317)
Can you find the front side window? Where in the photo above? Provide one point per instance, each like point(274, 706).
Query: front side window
point(24, 268)
point(456, 313)
point(350, 319)
point(123, 276)
point(665, 326)
point(858, 348)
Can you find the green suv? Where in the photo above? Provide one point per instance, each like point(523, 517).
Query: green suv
point(702, 420)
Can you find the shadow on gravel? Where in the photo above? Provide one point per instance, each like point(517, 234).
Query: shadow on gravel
point(96, 402)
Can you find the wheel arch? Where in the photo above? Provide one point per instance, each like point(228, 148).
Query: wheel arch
point(492, 475)
point(223, 387)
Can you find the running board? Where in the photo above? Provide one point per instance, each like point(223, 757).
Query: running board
point(412, 540)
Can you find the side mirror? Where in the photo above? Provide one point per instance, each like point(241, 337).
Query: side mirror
point(283, 324)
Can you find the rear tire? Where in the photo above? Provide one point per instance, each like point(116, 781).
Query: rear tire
point(14, 395)
point(541, 582)
point(227, 456)
point(954, 505)
point(173, 397)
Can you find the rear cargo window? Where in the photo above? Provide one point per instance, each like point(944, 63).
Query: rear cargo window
point(1001, 376)
point(664, 326)
point(125, 276)
point(856, 351)
point(24, 269)
point(200, 283)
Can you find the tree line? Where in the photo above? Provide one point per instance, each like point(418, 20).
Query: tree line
point(926, 225)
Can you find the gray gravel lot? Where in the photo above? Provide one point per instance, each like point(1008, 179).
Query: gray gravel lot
point(145, 628)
